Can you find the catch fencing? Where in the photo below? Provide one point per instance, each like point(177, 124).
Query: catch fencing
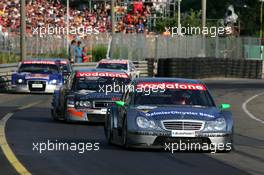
point(138, 47)
point(49, 45)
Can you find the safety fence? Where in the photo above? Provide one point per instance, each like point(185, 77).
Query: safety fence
point(6, 71)
point(48, 46)
point(140, 46)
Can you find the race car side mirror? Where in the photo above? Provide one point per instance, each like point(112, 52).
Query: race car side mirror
point(225, 106)
point(120, 103)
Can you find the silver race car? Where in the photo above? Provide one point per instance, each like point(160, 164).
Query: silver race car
point(125, 65)
point(168, 112)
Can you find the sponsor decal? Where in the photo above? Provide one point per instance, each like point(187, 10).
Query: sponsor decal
point(171, 85)
point(38, 62)
point(63, 62)
point(178, 133)
point(102, 74)
point(37, 76)
point(179, 113)
point(113, 62)
point(115, 99)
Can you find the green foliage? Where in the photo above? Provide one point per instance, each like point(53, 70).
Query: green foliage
point(167, 22)
point(8, 58)
point(99, 52)
point(61, 54)
point(192, 18)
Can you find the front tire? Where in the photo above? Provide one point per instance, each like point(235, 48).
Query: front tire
point(109, 129)
point(54, 115)
point(124, 134)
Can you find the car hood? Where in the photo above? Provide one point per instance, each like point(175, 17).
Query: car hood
point(91, 95)
point(29, 76)
point(191, 113)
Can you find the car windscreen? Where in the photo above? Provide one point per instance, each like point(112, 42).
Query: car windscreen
point(112, 66)
point(98, 84)
point(65, 68)
point(39, 68)
point(174, 97)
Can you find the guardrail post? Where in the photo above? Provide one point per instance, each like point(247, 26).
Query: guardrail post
point(262, 73)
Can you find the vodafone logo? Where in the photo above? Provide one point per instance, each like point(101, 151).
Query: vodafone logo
point(169, 85)
point(113, 62)
point(63, 62)
point(38, 62)
point(102, 74)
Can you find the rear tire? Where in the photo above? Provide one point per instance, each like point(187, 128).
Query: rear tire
point(54, 115)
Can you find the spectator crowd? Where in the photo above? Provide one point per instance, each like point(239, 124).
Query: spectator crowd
point(44, 13)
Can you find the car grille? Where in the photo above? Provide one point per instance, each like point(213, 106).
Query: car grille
point(100, 104)
point(31, 88)
point(183, 125)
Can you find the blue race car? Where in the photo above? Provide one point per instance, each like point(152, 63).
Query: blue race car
point(167, 112)
point(38, 76)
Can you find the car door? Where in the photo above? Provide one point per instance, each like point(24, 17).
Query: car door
point(64, 91)
point(122, 109)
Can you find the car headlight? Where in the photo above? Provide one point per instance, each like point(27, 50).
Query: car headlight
point(86, 104)
point(70, 103)
point(144, 123)
point(53, 81)
point(20, 81)
point(216, 125)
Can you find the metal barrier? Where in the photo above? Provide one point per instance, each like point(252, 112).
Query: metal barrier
point(6, 71)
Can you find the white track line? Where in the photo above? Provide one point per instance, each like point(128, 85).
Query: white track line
point(244, 107)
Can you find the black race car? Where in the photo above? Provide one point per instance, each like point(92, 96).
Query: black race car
point(87, 95)
point(159, 111)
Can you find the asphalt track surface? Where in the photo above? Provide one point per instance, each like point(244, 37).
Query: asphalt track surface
point(34, 125)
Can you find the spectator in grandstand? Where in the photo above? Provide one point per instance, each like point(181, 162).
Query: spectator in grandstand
point(140, 27)
point(85, 57)
point(44, 13)
point(72, 51)
point(137, 6)
point(78, 52)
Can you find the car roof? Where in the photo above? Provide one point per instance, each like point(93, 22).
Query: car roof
point(114, 61)
point(161, 79)
point(97, 70)
point(48, 59)
point(55, 60)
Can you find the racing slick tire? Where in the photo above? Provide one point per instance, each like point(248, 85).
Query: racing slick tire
point(66, 119)
point(124, 134)
point(54, 115)
point(108, 129)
